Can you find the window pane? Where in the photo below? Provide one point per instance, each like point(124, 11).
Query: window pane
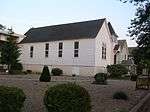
point(60, 54)
point(46, 53)
point(31, 51)
point(76, 45)
point(31, 48)
point(60, 45)
point(47, 46)
point(76, 53)
point(31, 54)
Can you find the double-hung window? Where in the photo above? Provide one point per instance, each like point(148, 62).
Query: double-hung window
point(103, 51)
point(76, 49)
point(31, 51)
point(60, 49)
point(46, 50)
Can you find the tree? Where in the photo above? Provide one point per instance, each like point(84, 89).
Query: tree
point(2, 27)
point(140, 31)
point(45, 75)
point(10, 52)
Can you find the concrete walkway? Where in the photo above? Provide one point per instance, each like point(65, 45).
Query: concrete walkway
point(145, 107)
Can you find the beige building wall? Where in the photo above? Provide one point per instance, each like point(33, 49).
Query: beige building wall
point(104, 36)
point(67, 70)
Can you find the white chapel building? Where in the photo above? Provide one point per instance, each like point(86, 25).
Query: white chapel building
point(82, 48)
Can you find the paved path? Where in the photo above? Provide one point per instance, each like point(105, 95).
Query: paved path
point(146, 107)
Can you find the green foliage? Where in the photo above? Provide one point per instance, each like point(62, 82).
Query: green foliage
point(10, 52)
point(116, 71)
point(16, 72)
point(140, 31)
point(140, 60)
point(11, 99)
point(101, 78)
point(73, 75)
point(16, 66)
point(45, 76)
point(57, 71)
point(133, 77)
point(67, 98)
point(29, 71)
point(120, 95)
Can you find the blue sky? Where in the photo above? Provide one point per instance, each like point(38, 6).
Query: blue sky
point(24, 14)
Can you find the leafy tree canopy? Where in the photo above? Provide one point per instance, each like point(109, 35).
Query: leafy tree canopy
point(9, 52)
point(140, 31)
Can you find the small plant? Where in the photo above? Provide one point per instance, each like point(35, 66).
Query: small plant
point(29, 71)
point(117, 71)
point(133, 77)
point(11, 99)
point(16, 66)
point(120, 95)
point(73, 75)
point(25, 72)
point(120, 110)
point(100, 78)
point(57, 71)
point(67, 98)
point(45, 76)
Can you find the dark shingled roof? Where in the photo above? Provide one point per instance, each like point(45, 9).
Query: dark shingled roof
point(111, 29)
point(79, 30)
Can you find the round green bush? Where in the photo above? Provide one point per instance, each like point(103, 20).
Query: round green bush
point(45, 76)
point(11, 99)
point(100, 78)
point(67, 98)
point(117, 70)
point(57, 71)
point(120, 95)
point(29, 71)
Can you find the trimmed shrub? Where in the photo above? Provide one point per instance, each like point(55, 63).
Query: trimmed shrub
point(16, 72)
point(73, 75)
point(29, 71)
point(57, 71)
point(45, 76)
point(120, 95)
point(67, 98)
point(16, 66)
point(100, 78)
point(117, 71)
point(11, 99)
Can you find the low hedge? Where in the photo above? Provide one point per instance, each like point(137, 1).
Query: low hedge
point(11, 99)
point(57, 71)
point(67, 98)
point(16, 66)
